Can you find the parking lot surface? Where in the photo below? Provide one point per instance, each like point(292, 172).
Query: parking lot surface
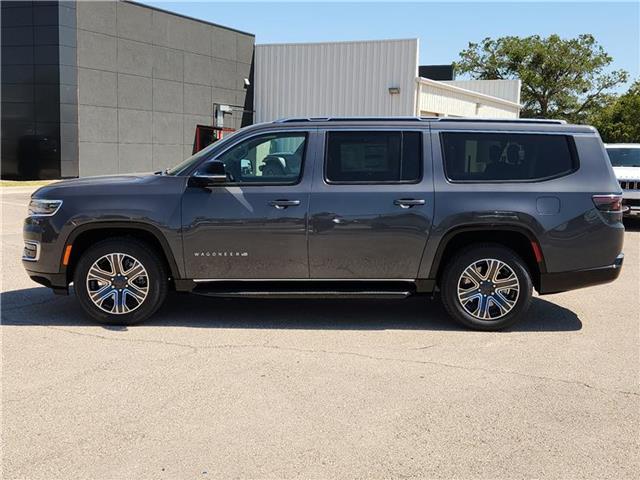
point(216, 388)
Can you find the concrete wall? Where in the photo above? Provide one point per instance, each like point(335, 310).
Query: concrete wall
point(335, 79)
point(146, 78)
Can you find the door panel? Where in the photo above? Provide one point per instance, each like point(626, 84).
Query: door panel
point(250, 231)
point(369, 231)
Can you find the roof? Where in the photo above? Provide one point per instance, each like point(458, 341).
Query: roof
point(420, 119)
point(524, 125)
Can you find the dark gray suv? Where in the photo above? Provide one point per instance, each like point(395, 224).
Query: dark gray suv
point(481, 211)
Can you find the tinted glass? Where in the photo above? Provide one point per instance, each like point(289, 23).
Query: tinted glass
point(378, 157)
point(274, 158)
point(624, 157)
point(473, 156)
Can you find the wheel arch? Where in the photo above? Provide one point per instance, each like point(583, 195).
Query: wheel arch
point(520, 239)
point(86, 235)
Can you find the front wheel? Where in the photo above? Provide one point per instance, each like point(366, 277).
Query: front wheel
point(120, 281)
point(486, 287)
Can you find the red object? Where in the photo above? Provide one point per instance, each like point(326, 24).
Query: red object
point(536, 251)
point(206, 135)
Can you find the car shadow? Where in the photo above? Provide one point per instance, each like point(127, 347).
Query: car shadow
point(38, 306)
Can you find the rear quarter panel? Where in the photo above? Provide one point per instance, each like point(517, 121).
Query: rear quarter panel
point(573, 236)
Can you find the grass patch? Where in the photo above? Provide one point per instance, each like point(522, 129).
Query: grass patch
point(25, 183)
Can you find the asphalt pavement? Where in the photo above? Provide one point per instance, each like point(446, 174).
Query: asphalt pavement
point(222, 388)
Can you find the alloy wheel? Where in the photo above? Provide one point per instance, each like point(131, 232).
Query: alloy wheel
point(488, 289)
point(117, 283)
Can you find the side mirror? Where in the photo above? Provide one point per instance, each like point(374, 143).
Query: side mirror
point(211, 173)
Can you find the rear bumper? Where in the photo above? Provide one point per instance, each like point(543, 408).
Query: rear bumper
point(563, 281)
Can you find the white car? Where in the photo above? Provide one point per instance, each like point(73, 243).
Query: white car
point(625, 159)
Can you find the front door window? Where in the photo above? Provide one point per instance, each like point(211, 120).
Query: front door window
point(274, 159)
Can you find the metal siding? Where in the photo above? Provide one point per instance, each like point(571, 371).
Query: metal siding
point(439, 99)
point(505, 89)
point(335, 79)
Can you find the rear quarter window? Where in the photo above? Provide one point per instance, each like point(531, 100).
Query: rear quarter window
point(507, 157)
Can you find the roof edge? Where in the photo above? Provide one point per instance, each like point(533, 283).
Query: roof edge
point(336, 42)
point(211, 24)
point(453, 88)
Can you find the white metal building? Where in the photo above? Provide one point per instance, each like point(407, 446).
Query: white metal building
point(367, 78)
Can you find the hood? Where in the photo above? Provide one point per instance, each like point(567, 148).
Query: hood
point(77, 185)
point(627, 173)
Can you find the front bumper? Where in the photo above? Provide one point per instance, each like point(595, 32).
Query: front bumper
point(631, 201)
point(631, 209)
point(42, 254)
point(55, 281)
point(564, 281)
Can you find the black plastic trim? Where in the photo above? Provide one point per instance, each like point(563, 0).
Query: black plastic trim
point(173, 266)
point(447, 237)
point(564, 281)
point(55, 281)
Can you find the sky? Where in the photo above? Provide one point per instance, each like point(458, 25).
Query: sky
point(444, 29)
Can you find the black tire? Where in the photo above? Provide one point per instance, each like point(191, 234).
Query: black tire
point(452, 276)
point(155, 282)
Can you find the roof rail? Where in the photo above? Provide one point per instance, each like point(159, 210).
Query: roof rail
point(353, 119)
point(500, 120)
point(420, 119)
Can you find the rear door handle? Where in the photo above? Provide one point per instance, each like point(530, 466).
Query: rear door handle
point(408, 202)
point(282, 204)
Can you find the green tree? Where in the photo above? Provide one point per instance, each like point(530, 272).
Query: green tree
point(619, 122)
point(561, 78)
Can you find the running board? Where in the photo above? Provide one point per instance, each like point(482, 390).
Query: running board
point(351, 290)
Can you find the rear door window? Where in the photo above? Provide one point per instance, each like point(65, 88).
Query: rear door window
point(487, 157)
point(374, 157)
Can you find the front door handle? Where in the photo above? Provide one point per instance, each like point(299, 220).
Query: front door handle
point(282, 204)
point(408, 202)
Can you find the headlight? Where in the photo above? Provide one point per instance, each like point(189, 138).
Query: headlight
point(44, 208)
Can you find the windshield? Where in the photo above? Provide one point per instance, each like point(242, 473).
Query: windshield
point(194, 159)
point(624, 157)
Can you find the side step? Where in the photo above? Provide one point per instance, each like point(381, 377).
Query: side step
point(304, 289)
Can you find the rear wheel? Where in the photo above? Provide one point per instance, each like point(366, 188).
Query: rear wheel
point(120, 281)
point(486, 287)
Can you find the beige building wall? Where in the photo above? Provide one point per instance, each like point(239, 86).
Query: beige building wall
point(437, 98)
point(335, 79)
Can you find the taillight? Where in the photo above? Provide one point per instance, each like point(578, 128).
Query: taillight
point(608, 203)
